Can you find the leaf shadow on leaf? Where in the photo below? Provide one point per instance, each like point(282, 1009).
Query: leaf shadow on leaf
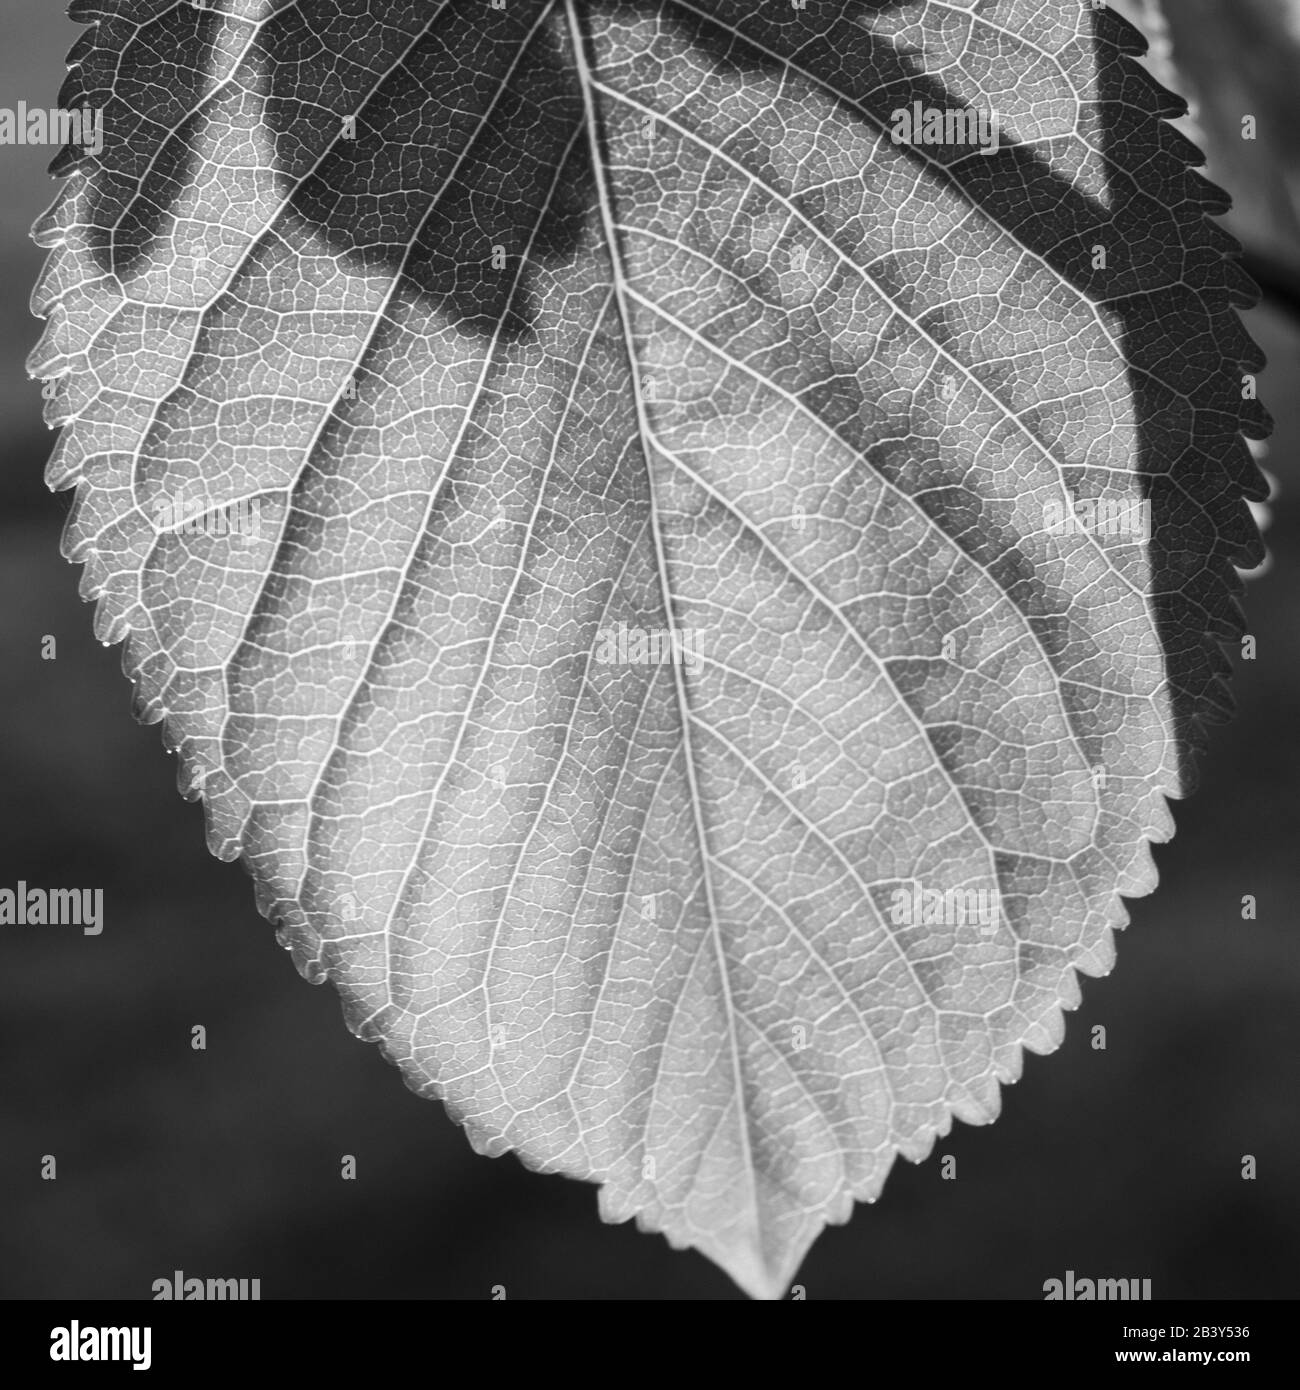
point(1180, 337)
point(1201, 527)
point(429, 191)
point(443, 182)
point(150, 159)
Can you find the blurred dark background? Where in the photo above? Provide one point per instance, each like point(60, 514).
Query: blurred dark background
point(226, 1163)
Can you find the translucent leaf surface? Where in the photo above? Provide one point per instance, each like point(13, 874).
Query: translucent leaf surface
point(541, 342)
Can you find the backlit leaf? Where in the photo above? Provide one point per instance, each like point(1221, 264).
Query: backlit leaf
point(612, 533)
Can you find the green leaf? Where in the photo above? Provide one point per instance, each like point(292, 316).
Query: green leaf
point(582, 498)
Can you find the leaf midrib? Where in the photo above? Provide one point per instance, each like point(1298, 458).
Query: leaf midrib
point(586, 84)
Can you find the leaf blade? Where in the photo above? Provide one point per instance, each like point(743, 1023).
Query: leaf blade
point(706, 396)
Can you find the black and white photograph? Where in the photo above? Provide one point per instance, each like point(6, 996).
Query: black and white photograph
point(727, 572)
